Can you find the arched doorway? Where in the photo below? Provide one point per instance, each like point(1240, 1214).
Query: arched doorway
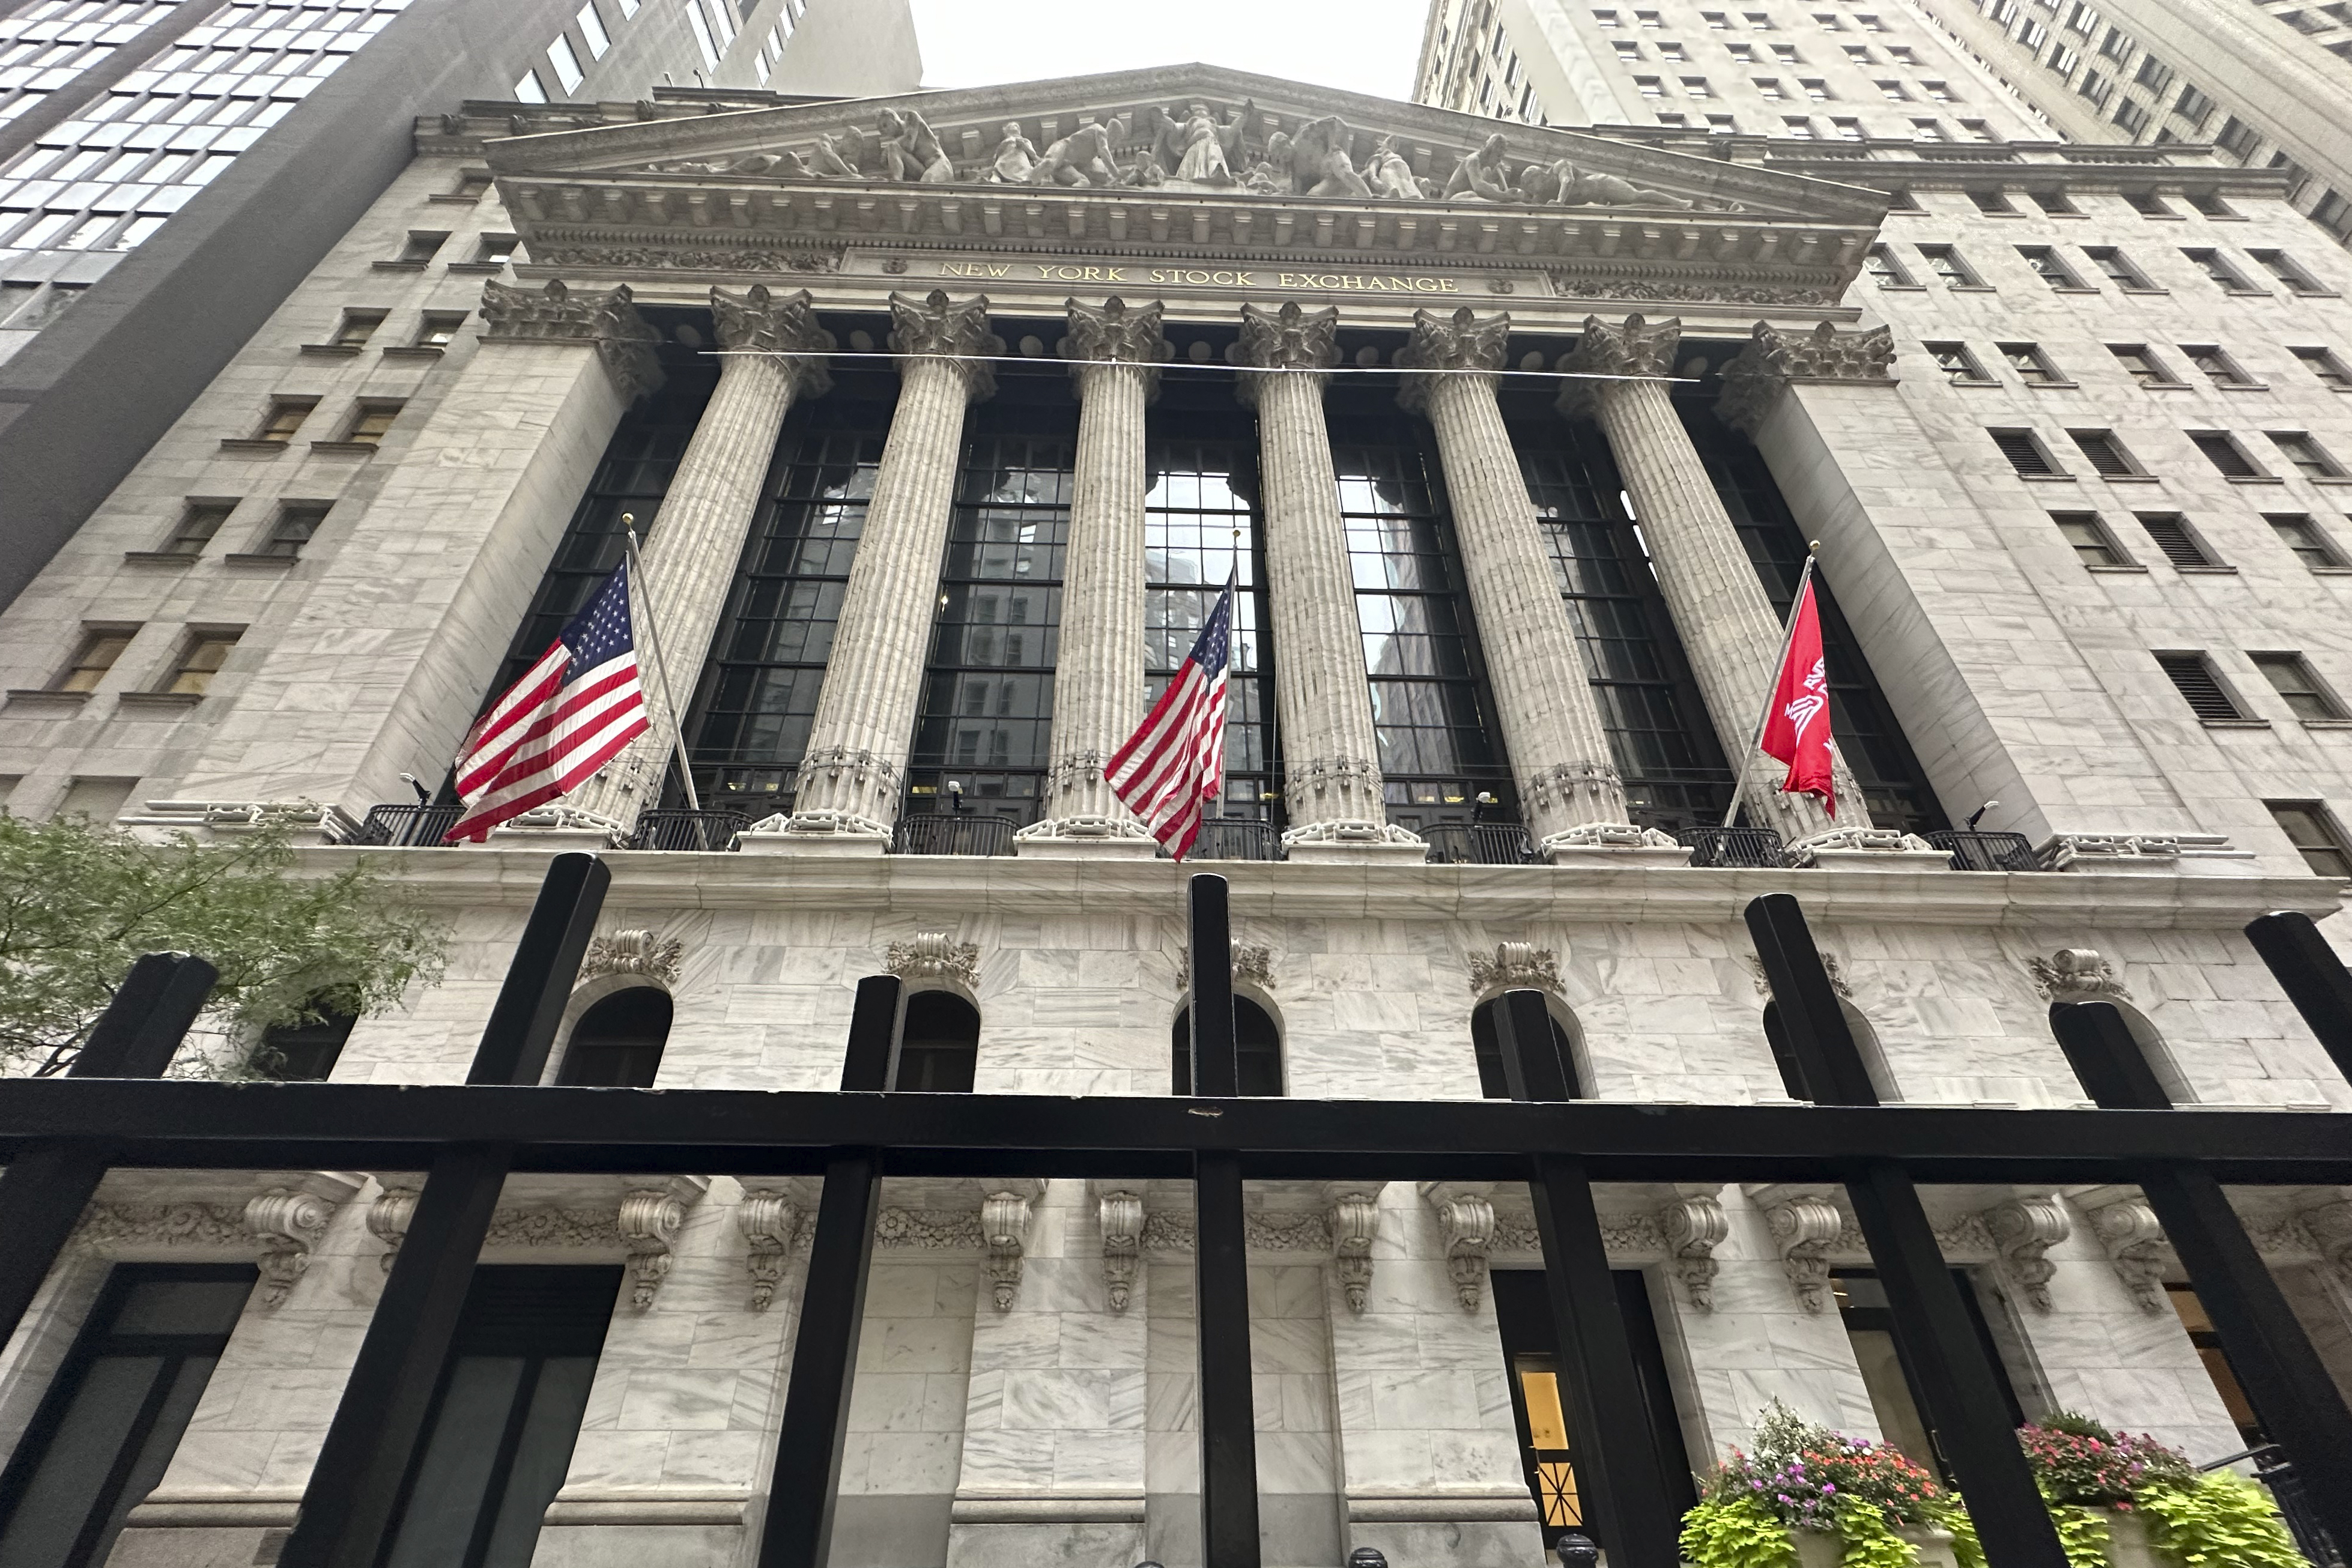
point(1257, 1051)
point(939, 1046)
point(617, 1043)
point(1487, 1044)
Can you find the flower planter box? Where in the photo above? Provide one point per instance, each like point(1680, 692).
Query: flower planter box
point(2128, 1542)
point(1816, 1549)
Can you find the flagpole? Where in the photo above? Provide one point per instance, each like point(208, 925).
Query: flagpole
point(1763, 720)
point(661, 669)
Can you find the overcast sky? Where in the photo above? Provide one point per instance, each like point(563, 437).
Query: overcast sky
point(1363, 45)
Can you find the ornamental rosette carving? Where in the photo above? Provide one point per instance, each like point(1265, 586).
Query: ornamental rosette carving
point(2024, 1229)
point(782, 324)
point(1289, 338)
point(1275, 1232)
point(1805, 1231)
point(1638, 347)
point(1122, 1244)
point(211, 1226)
point(1576, 286)
point(769, 1224)
point(2075, 975)
point(935, 955)
point(1453, 344)
point(1693, 1229)
point(1004, 1226)
point(582, 1229)
point(1115, 332)
point(1773, 358)
point(1515, 965)
point(633, 953)
point(928, 1230)
point(936, 327)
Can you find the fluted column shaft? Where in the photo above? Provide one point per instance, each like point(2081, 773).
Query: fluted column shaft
point(1568, 784)
point(1332, 785)
point(1098, 669)
point(690, 557)
point(854, 775)
point(1727, 627)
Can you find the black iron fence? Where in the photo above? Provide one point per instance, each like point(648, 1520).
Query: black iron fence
point(407, 827)
point(1479, 844)
point(1987, 852)
point(953, 834)
point(1237, 839)
point(684, 829)
point(1733, 846)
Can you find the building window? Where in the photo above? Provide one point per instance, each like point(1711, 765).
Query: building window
point(2224, 453)
point(421, 246)
point(1719, 21)
point(2147, 203)
point(2132, 117)
point(2031, 365)
point(1846, 130)
point(1818, 91)
point(473, 184)
point(1649, 87)
point(2141, 365)
point(200, 661)
point(199, 521)
point(2310, 459)
point(592, 28)
point(116, 1408)
point(285, 417)
point(2219, 368)
point(2281, 266)
point(438, 328)
point(2300, 534)
point(2334, 213)
point(1927, 131)
point(495, 250)
point(567, 64)
point(1605, 18)
point(2055, 203)
point(1199, 529)
point(1770, 89)
point(2311, 828)
point(296, 524)
point(1257, 1051)
point(304, 1052)
point(1648, 19)
point(617, 1043)
point(2293, 681)
point(2193, 106)
point(1627, 49)
point(1760, 21)
point(1797, 126)
point(2090, 538)
point(528, 89)
point(2209, 203)
point(2323, 363)
point(2024, 451)
point(356, 328)
point(2192, 675)
point(938, 1048)
point(2181, 545)
point(1696, 87)
point(370, 420)
point(1828, 22)
point(1721, 125)
point(1994, 203)
point(1486, 1050)
point(2213, 265)
point(2043, 259)
point(2107, 456)
point(694, 19)
point(1892, 92)
point(1785, 53)
point(97, 655)
point(1670, 52)
point(1944, 262)
point(2117, 266)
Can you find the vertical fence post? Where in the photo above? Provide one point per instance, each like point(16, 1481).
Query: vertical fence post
point(2113, 1071)
point(1956, 1379)
point(2313, 976)
point(1532, 1069)
point(875, 1021)
point(1808, 1004)
point(1229, 1525)
point(48, 1185)
point(1215, 1071)
point(2299, 1405)
point(355, 1482)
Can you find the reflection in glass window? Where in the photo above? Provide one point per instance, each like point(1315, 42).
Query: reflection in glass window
point(1197, 502)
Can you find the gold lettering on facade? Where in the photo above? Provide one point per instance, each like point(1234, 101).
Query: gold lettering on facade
point(1215, 278)
point(1065, 272)
point(974, 269)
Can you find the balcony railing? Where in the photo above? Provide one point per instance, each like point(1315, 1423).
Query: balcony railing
point(1987, 852)
point(1723, 847)
point(1237, 839)
point(953, 833)
point(2272, 1469)
point(682, 830)
point(1479, 844)
point(407, 827)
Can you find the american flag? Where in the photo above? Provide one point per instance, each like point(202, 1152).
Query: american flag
point(571, 714)
point(1175, 763)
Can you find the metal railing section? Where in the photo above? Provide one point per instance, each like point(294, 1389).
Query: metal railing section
point(953, 834)
point(1722, 847)
point(1479, 844)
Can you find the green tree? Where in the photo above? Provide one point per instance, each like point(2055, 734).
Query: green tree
point(79, 903)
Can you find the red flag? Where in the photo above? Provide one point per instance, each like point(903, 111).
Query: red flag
point(1174, 763)
point(1797, 725)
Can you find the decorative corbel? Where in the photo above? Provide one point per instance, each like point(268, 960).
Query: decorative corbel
point(1355, 1222)
point(2136, 1246)
point(2025, 1229)
point(1804, 1228)
point(1469, 1222)
point(1122, 1244)
point(1694, 1229)
point(769, 1222)
point(1004, 1226)
point(648, 1222)
point(387, 1220)
point(2331, 1226)
point(287, 1224)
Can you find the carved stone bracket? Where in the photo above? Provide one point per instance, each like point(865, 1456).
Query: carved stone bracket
point(1637, 348)
point(1452, 345)
point(768, 1223)
point(1355, 1224)
point(2025, 1229)
point(1694, 1227)
point(1774, 358)
point(935, 955)
point(2330, 1225)
point(1515, 965)
point(1004, 1226)
point(936, 327)
point(2075, 975)
point(1253, 965)
point(387, 1220)
point(1467, 1219)
point(633, 953)
point(2136, 1245)
point(785, 326)
point(1805, 1229)
point(1122, 1244)
point(648, 1222)
point(286, 1224)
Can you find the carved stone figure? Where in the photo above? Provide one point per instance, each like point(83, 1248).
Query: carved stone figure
point(1484, 176)
point(911, 154)
point(1564, 185)
point(1206, 151)
point(1016, 158)
point(1082, 157)
point(1322, 160)
point(1388, 175)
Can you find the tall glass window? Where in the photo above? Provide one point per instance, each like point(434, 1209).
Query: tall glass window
point(1430, 701)
point(988, 695)
point(1198, 503)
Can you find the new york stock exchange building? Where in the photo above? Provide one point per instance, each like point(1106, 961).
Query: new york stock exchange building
point(944, 421)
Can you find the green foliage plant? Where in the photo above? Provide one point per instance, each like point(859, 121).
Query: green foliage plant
point(2090, 1476)
point(1805, 1476)
point(79, 903)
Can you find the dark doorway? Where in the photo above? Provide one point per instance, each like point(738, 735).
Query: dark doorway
point(115, 1411)
point(1878, 1351)
point(1257, 1050)
point(617, 1043)
point(939, 1050)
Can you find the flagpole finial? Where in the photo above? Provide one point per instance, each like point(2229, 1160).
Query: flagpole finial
point(1813, 547)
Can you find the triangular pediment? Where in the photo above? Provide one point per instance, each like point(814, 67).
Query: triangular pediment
point(1192, 131)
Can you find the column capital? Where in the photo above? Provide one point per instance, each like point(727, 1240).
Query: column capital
point(782, 326)
point(1115, 333)
point(1638, 347)
point(1288, 338)
point(623, 339)
point(1773, 358)
point(937, 326)
point(1456, 342)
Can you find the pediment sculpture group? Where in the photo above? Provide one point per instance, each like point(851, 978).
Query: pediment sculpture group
point(1192, 150)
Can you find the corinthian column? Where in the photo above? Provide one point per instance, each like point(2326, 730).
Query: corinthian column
point(1728, 626)
point(1568, 784)
point(1332, 783)
point(691, 555)
point(1098, 673)
point(854, 775)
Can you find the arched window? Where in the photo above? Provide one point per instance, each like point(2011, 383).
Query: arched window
point(617, 1043)
point(2140, 1076)
point(939, 1049)
point(1865, 1040)
point(304, 1053)
point(1487, 1044)
point(1257, 1051)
